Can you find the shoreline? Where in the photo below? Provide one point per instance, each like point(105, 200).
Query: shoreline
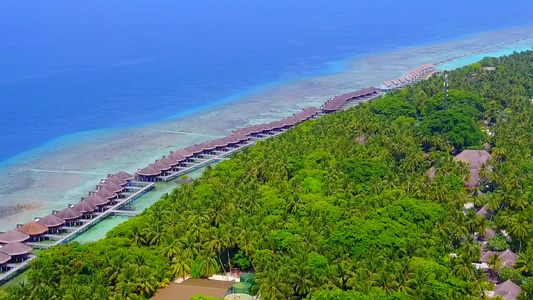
point(131, 148)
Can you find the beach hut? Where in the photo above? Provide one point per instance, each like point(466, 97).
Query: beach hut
point(71, 216)
point(149, 173)
point(35, 230)
point(17, 251)
point(4, 259)
point(13, 236)
point(53, 222)
point(98, 201)
point(86, 209)
point(508, 290)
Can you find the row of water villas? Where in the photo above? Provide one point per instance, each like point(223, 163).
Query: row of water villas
point(16, 245)
point(410, 78)
point(185, 160)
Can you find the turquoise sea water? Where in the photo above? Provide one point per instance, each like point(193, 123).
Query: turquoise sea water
point(75, 67)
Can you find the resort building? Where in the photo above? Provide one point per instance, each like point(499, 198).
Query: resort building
point(13, 236)
point(475, 159)
point(409, 78)
point(35, 230)
point(148, 174)
point(105, 193)
point(4, 259)
point(86, 209)
point(52, 222)
point(508, 257)
point(192, 287)
point(17, 251)
point(508, 290)
point(98, 201)
point(71, 216)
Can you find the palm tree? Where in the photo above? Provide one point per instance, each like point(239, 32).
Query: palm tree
point(495, 264)
point(524, 262)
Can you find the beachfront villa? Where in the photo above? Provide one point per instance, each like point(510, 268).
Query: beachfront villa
point(508, 290)
point(409, 78)
point(475, 159)
point(508, 257)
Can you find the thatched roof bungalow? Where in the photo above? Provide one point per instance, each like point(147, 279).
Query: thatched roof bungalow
point(170, 161)
point(161, 166)
point(475, 159)
point(34, 230)
point(53, 222)
point(191, 287)
point(71, 216)
point(124, 175)
point(96, 200)
point(508, 257)
point(4, 259)
point(103, 192)
point(87, 209)
point(195, 149)
point(116, 180)
point(182, 153)
point(110, 186)
point(17, 251)
point(149, 173)
point(508, 290)
point(13, 236)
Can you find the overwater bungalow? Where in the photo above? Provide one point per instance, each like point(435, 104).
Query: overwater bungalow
point(103, 192)
point(52, 222)
point(161, 166)
point(13, 236)
point(35, 230)
point(195, 149)
point(148, 174)
point(71, 216)
point(110, 186)
point(174, 164)
point(124, 175)
point(183, 152)
point(116, 180)
point(17, 251)
point(177, 156)
point(98, 201)
point(86, 209)
point(4, 259)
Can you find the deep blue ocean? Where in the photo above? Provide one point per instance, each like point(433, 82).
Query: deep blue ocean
point(71, 66)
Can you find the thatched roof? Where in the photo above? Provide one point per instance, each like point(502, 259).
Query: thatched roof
point(33, 228)
point(96, 200)
point(124, 175)
point(483, 210)
point(116, 180)
point(149, 171)
point(110, 186)
point(4, 258)
point(206, 146)
point(68, 214)
point(161, 166)
point(183, 152)
point(177, 157)
point(170, 161)
point(85, 207)
point(508, 290)
point(508, 257)
point(103, 192)
point(50, 221)
point(191, 287)
point(16, 248)
point(475, 159)
point(13, 236)
point(195, 149)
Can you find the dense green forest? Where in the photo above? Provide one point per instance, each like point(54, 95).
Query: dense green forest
point(342, 207)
